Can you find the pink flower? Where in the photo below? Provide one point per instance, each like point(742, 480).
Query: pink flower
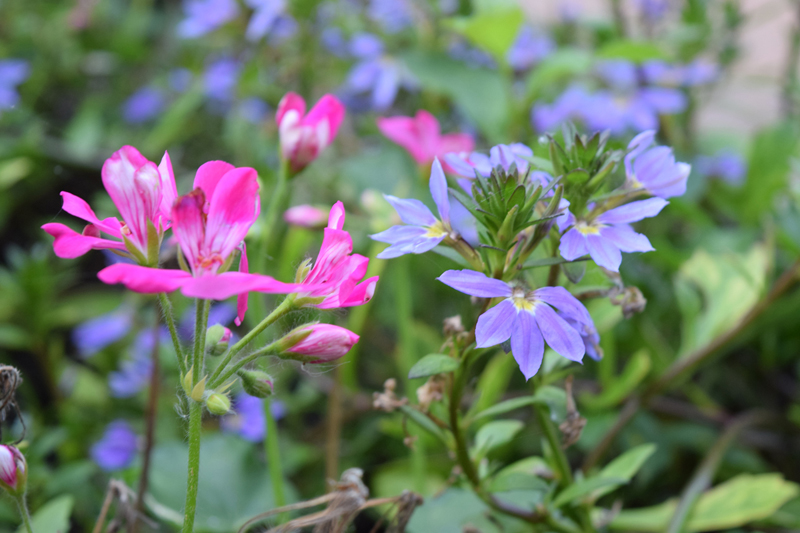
point(326, 343)
point(143, 194)
point(338, 271)
point(422, 137)
point(304, 137)
point(210, 224)
point(305, 216)
point(13, 470)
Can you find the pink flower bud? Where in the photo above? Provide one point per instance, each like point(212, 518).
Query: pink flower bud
point(305, 136)
point(306, 216)
point(326, 343)
point(13, 469)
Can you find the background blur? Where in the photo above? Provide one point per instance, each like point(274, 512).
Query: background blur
point(202, 79)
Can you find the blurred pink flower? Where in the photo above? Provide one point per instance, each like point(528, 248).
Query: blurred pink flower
point(304, 136)
point(422, 137)
point(306, 216)
point(326, 343)
point(143, 193)
point(13, 471)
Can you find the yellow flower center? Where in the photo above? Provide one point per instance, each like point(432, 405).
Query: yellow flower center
point(587, 229)
point(436, 231)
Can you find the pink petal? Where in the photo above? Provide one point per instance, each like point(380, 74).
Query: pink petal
point(361, 294)
point(70, 244)
point(189, 227)
point(78, 207)
point(144, 279)
point(455, 142)
point(232, 211)
point(336, 216)
point(403, 131)
point(290, 102)
point(329, 110)
point(241, 300)
point(208, 176)
point(223, 286)
point(169, 192)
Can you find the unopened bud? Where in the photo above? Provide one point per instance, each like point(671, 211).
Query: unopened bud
point(256, 383)
point(320, 343)
point(306, 216)
point(13, 470)
point(217, 339)
point(218, 404)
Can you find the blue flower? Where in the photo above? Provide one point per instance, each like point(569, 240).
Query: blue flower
point(529, 48)
point(220, 79)
point(526, 317)
point(97, 333)
point(180, 79)
point(253, 110)
point(117, 448)
point(143, 105)
point(391, 15)
point(654, 169)
point(725, 165)
point(424, 231)
point(205, 16)
point(379, 75)
point(12, 73)
point(134, 373)
point(248, 419)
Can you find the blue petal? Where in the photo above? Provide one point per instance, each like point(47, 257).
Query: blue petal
point(496, 324)
point(475, 283)
point(398, 234)
point(573, 245)
point(633, 211)
point(559, 335)
point(438, 185)
point(412, 211)
point(561, 299)
point(626, 239)
point(604, 252)
point(527, 345)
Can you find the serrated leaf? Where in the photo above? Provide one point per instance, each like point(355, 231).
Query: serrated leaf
point(433, 364)
point(584, 487)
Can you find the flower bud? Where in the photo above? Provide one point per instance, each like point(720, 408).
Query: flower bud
point(256, 383)
point(13, 470)
point(304, 136)
point(195, 392)
point(306, 216)
point(218, 404)
point(217, 339)
point(323, 343)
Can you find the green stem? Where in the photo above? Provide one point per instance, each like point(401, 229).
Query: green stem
point(166, 309)
point(23, 512)
point(273, 450)
point(562, 465)
point(195, 424)
point(200, 323)
point(267, 350)
point(285, 306)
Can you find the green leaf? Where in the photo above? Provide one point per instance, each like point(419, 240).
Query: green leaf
point(432, 364)
point(556, 400)
point(625, 466)
point(635, 371)
point(173, 124)
point(452, 255)
point(732, 504)
point(586, 486)
point(481, 93)
point(562, 65)
point(424, 422)
point(495, 434)
point(522, 475)
point(630, 50)
point(494, 31)
point(508, 405)
point(52, 517)
point(574, 271)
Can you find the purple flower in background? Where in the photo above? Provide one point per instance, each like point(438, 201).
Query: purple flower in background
point(220, 79)
point(145, 104)
point(698, 72)
point(334, 41)
point(725, 165)
point(502, 155)
point(221, 313)
point(574, 104)
point(97, 333)
point(654, 169)
point(254, 110)
point(605, 237)
point(617, 73)
point(205, 16)
point(283, 29)
point(117, 448)
point(375, 73)
point(265, 14)
point(424, 231)
point(134, 372)
point(180, 79)
point(473, 57)
point(248, 419)
point(391, 15)
point(527, 317)
point(529, 48)
point(12, 73)
point(653, 10)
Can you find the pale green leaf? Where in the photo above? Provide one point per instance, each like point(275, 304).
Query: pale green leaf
point(432, 364)
point(496, 433)
point(586, 486)
point(52, 517)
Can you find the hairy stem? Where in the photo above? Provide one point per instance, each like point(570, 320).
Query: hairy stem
point(286, 306)
point(195, 425)
point(169, 318)
point(24, 514)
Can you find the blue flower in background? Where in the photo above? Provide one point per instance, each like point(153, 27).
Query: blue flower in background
point(220, 79)
point(653, 10)
point(117, 448)
point(391, 15)
point(145, 104)
point(248, 419)
point(180, 79)
point(473, 57)
point(529, 48)
point(254, 110)
point(97, 333)
point(379, 75)
point(12, 73)
point(698, 72)
point(221, 313)
point(334, 41)
point(269, 17)
point(134, 372)
point(205, 16)
point(726, 165)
